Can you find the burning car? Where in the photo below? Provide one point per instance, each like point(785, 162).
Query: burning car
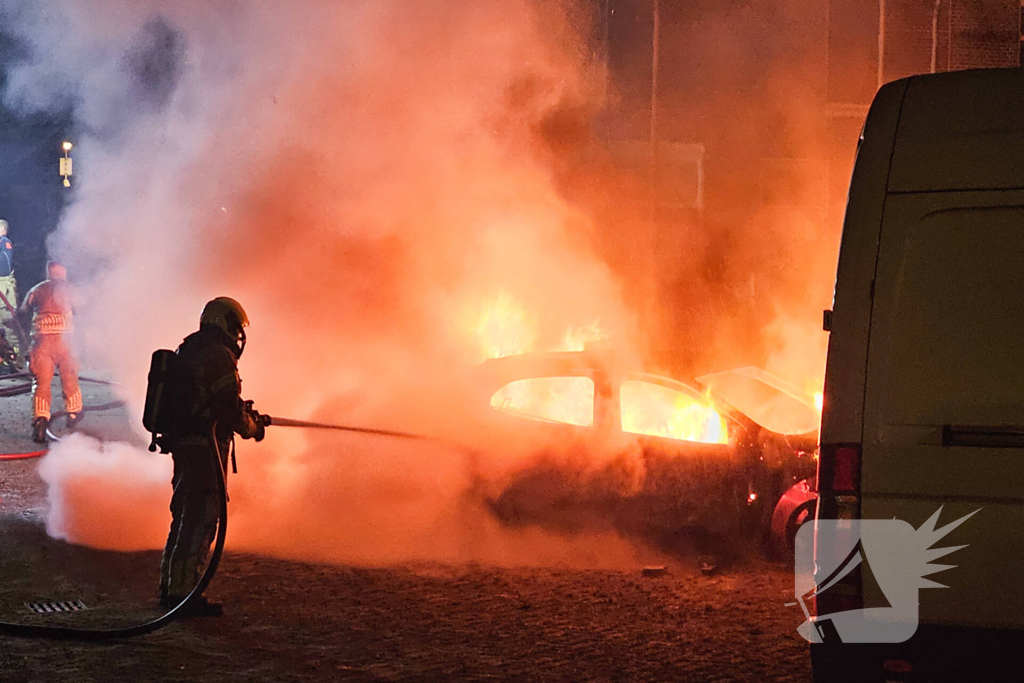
point(688, 466)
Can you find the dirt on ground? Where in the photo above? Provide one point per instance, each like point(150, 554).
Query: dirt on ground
point(290, 621)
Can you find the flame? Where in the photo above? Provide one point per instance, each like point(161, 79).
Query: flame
point(503, 327)
point(577, 339)
point(814, 387)
point(655, 410)
point(567, 400)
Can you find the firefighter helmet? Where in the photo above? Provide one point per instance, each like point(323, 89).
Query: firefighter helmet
point(55, 271)
point(227, 315)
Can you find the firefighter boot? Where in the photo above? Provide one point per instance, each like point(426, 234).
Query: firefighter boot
point(39, 426)
point(73, 419)
point(204, 608)
point(199, 607)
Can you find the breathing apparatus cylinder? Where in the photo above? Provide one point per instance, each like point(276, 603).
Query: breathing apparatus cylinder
point(160, 414)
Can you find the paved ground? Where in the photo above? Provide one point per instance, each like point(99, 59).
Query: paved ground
point(289, 621)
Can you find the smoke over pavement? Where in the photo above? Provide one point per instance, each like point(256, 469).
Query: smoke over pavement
point(366, 177)
point(360, 176)
point(82, 477)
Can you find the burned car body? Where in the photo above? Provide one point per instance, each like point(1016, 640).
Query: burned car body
point(649, 455)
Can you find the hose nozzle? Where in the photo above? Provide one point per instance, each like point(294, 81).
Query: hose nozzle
point(288, 422)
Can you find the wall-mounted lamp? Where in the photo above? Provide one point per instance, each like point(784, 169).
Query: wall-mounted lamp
point(65, 163)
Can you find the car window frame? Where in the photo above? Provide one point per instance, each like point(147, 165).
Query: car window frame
point(735, 427)
point(550, 374)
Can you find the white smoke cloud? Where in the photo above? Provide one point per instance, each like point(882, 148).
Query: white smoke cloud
point(354, 173)
point(360, 175)
point(112, 481)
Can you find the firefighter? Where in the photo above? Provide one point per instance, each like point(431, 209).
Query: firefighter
point(8, 286)
point(49, 304)
point(209, 399)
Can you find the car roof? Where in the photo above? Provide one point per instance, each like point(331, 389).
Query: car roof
point(782, 407)
point(768, 400)
point(509, 368)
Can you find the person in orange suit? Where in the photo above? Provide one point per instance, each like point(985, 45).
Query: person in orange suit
point(50, 305)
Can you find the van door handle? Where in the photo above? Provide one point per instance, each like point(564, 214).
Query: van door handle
point(977, 436)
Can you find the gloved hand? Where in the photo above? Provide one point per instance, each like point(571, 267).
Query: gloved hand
point(261, 422)
point(261, 426)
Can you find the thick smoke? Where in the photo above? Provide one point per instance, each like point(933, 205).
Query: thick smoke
point(364, 176)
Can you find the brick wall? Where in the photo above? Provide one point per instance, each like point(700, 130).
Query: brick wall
point(984, 33)
point(971, 34)
point(908, 37)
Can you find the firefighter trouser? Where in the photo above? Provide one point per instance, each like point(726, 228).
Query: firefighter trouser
point(51, 351)
point(8, 287)
point(195, 510)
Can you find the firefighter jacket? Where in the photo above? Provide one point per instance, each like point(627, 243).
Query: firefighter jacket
point(50, 304)
point(6, 257)
point(211, 388)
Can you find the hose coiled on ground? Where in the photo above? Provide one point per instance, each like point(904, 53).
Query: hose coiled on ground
point(93, 635)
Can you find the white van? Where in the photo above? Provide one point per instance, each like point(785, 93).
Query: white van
point(924, 386)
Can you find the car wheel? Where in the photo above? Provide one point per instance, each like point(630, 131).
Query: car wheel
point(801, 515)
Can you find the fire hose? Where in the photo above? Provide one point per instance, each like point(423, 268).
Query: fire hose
point(28, 455)
point(65, 633)
point(94, 635)
point(288, 422)
point(26, 387)
point(86, 409)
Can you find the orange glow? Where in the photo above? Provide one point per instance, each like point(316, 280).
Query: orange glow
point(577, 339)
point(566, 400)
point(656, 410)
point(813, 386)
point(503, 327)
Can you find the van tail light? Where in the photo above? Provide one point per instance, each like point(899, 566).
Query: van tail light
point(839, 473)
point(839, 481)
point(846, 471)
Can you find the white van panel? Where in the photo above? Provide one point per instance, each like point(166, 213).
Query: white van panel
point(948, 320)
point(925, 368)
point(842, 420)
point(984, 586)
point(947, 348)
point(960, 131)
point(947, 345)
